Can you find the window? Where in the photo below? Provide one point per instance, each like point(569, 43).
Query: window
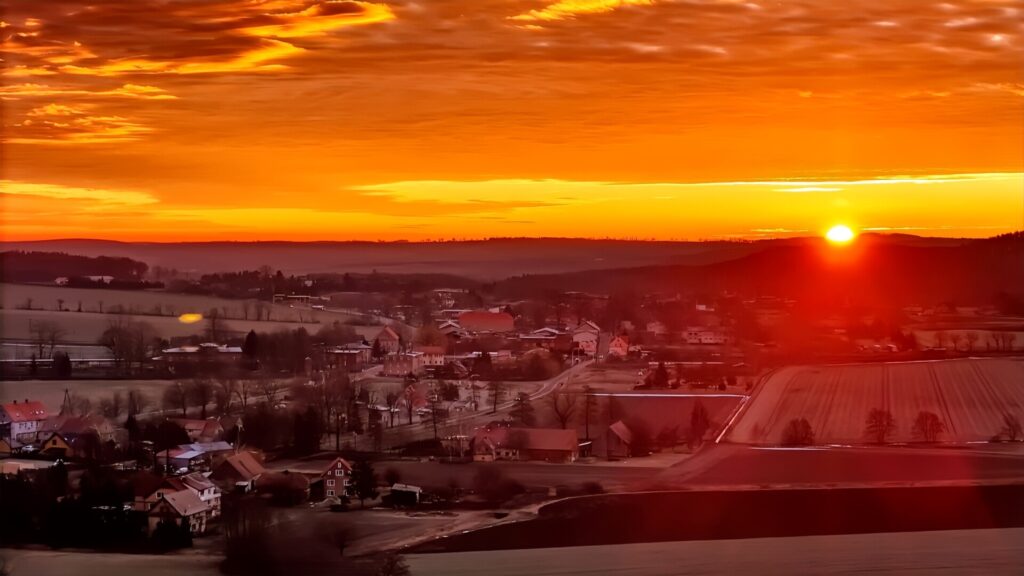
point(339, 472)
point(330, 492)
point(330, 482)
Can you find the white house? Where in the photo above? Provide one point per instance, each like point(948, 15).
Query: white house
point(586, 337)
point(20, 422)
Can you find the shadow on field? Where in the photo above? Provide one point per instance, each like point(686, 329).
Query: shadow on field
point(715, 515)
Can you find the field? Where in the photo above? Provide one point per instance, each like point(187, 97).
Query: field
point(51, 392)
point(970, 396)
point(86, 327)
point(151, 302)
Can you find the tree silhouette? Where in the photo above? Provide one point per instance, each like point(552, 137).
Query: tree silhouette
point(798, 433)
point(522, 411)
point(364, 481)
point(699, 424)
point(879, 425)
point(928, 426)
point(1011, 427)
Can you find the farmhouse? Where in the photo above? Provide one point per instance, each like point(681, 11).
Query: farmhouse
point(335, 479)
point(19, 423)
point(547, 444)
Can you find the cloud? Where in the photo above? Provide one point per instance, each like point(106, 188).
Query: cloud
point(60, 124)
point(99, 198)
point(29, 90)
point(567, 9)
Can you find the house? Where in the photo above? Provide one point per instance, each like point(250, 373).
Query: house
point(56, 446)
point(476, 321)
point(215, 451)
point(492, 443)
point(182, 459)
point(19, 423)
point(388, 341)
point(181, 508)
point(432, 355)
point(352, 356)
point(586, 337)
point(619, 347)
point(206, 490)
point(238, 472)
point(70, 427)
point(402, 363)
point(198, 430)
point(549, 338)
point(336, 478)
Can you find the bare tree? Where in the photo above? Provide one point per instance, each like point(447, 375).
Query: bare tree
point(880, 425)
point(269, 388)
point(46, 333)
point(175, 398)
point(244, 390)
point(1011, 427)
point(392, 398)
point(589, 408)
point(563, 404)
point(496, 389)
point(112, 407)
point(972, 339)
point(954, 340)
point(928, 426)
point(226, 390)
point(137, 402)
point(200, 392)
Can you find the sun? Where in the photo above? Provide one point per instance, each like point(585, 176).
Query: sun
point(839, 234)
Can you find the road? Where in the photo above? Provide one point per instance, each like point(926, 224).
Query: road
point(988, 552)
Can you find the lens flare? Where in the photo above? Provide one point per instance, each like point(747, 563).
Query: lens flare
point(190, 318)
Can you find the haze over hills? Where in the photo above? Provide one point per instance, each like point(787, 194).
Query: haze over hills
point(876, 270)
point(491, 259)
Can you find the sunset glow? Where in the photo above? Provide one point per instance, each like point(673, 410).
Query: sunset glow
point(331, 120)
point(839, 234)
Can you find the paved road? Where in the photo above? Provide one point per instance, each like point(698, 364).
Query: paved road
point(981, 552)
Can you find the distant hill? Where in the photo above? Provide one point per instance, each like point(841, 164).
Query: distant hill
point(876, 270)
point(481, 260)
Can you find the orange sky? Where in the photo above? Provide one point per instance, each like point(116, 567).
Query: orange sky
point(318, 119)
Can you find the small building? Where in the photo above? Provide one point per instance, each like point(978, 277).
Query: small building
point(619, 347)
point(198, 430)
point(351, 357)
point(238, 472)
point(206, 490)
point(492, 443)
point(388, 341)
point(405, 495)
point(181, 508)
point(586, 337)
